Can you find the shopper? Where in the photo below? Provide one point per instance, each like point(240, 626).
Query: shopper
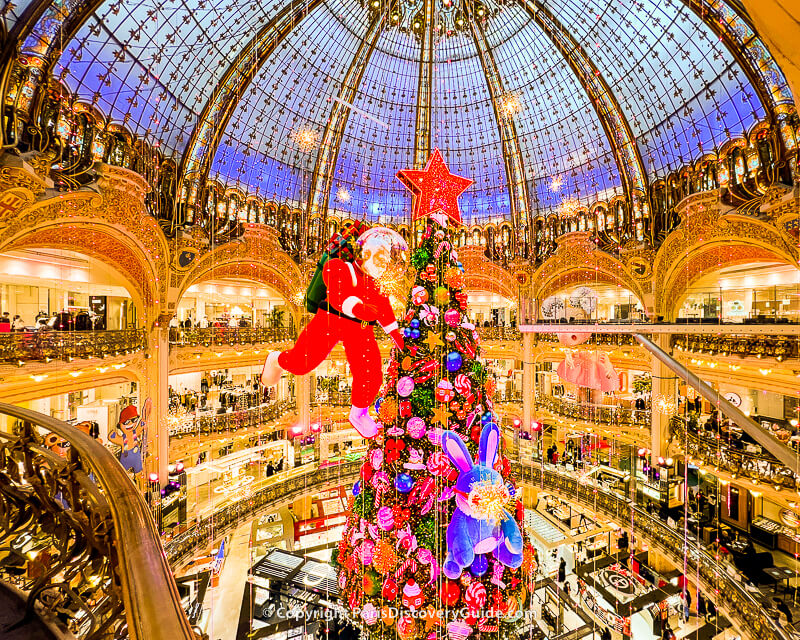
point(702, 611)
point(667, 633)
point(18, 324)
point(562, 572)
point(606, 634)
point(5, 322)
point(622, 542)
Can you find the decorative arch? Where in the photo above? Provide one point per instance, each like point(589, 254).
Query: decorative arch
point(258, 256)
point(704, 239)
point(578, 260)
point(482, 274)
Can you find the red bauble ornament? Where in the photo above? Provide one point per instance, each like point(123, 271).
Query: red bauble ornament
point(435, 188)
point(450, 593)
point(475, 432)
point(366, 471)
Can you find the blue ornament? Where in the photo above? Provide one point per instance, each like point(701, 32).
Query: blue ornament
point(378, 404)
point(357, 488)
point(415, 324)
point(407, 332)
point(479, 565)
point(403, 482)
point(486, 418)
point(415, 334)
point(453, 361)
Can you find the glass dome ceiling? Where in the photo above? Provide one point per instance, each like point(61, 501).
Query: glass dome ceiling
point(573, 81)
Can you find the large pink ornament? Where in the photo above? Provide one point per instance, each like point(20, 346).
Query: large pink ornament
point(416, 427)
point(452, 317)
point(386, 518)
point(405, 386)
point(457, 630)
point(419, 295)
point(369, 613)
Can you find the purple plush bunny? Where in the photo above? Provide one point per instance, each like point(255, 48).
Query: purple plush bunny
point(480, 524)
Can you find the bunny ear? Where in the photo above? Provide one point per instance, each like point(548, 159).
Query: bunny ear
point(489, 445)
point(456, 450)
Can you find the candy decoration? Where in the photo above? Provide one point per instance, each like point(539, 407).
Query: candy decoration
point(475, 595)
point(462, 384)
point(413, 597)
point(405, 386)
point(389, 590)
point(403, 482)
point(393, 448)
point(419, 295)
point(416, 427)
point(457, 630)
point(376, 458)
point(365, 551)
point(409, 565)
point(444, 391)
point(443, 246)
point(406, 627)
point(449, 593)
point(386, 518)
point(439, 464)
point(452, 317)
point(369, 613)
point(453, 361)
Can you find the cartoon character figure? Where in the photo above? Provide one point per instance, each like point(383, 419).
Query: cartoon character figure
point(131, 436)
point(480, 524)
point(354, 303)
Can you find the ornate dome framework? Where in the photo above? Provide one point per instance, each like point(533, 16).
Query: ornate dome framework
point(546, 104)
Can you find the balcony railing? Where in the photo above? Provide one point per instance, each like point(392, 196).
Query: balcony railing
point(778, 347)
point(203, 533)
point(712, 451)
point(596, 339)
point(44, 346)
point(681, 546)
point(251, 418)
point(499, 333)
point(230, 336)
point(595, 412)
point(78, 537)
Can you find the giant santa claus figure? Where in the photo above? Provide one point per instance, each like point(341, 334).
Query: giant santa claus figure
point(353, 305)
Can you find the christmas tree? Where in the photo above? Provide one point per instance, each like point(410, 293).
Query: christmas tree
point(432, 546)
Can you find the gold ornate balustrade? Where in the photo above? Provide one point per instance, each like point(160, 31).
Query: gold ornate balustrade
point(78, 537)
point(499, 333)
point(44, 346)
point(230, 336)
point(778, 347)
point(227, 422)
point(717, 452)
point(588, 412)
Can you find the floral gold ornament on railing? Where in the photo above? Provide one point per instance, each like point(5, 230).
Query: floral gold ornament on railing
point(664, 405)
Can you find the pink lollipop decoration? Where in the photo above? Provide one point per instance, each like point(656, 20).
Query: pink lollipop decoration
point(462, 384)
point(419, 295)
point(405, 386)
point(438, 463)
point(376, 458)
point(457, 630)
point(365, 551)
point(475, 596)
point(452, 317)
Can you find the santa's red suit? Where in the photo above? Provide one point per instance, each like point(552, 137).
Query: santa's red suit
point(354, 305)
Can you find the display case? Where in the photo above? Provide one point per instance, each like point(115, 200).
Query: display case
point(765, 531)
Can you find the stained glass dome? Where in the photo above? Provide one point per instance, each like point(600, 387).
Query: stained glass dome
point(318, 103)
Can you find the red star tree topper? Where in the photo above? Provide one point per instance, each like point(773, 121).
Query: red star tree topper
point(435, 188)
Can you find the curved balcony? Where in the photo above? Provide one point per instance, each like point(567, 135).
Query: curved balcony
point(588, 412)
point(181, 547)
point(43, 346)
point(228, 336)
point(252, 418)
point(683, 548)
point(79, 539)
point(710, 450)
point(754, 346)
point(500, 333)
point(596, 339)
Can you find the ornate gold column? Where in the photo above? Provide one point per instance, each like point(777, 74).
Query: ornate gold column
point(156, 389)
point(663, 399)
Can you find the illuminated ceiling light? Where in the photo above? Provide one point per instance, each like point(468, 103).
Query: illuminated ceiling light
point(306, 139)
point(75, 374)
point(342, 195)
point(39, 378)
point(555, 184)
point(119, 365)
point(568, 208)
point(510, 105)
